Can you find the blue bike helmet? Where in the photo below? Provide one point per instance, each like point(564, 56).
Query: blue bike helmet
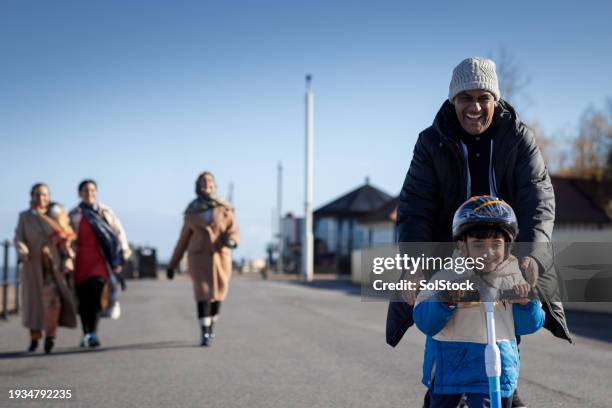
point(485, 210)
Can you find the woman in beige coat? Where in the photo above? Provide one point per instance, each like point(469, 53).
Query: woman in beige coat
point(42, 239)
point(209, 233)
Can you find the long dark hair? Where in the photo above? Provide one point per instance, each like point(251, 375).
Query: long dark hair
point(85, 182)
point(36, 186)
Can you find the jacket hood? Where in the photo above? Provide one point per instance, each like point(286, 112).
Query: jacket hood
point(446, 116)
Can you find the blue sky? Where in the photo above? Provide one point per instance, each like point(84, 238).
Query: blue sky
point(142, 96)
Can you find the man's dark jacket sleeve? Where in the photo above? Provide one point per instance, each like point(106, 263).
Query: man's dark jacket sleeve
point(418, 199)
point(415, 218)
point(534, 203)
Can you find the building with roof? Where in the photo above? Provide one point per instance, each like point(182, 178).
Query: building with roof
point(582, 213)
point(366, 217)
point(337, 230)
point(292, 234)
point(581, 209)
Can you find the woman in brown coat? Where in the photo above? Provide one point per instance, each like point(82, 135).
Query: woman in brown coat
point(209, 232)
point(42, 239)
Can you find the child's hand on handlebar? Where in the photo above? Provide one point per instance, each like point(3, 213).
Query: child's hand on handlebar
point(522, 290)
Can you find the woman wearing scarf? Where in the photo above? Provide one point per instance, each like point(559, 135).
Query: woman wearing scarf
point(42, 238)
point(209, 232)
point(101, 250)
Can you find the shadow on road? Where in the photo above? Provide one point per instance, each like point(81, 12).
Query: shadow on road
point(339, 285)
point(592, 325)
point(137, 346)
point(346, 286)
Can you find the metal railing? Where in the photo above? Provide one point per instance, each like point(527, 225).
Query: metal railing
point(10, 287)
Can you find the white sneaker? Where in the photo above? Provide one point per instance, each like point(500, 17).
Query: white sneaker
point(116, 311)
point(84, 341)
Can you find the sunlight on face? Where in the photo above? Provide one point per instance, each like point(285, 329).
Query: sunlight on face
point(88, 193)
point(475, 110)
point(492, 250)
point(40, 197)
point(208, 184)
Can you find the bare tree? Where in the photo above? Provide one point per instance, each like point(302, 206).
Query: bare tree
point(513, 80)
point(513, 84)
point(544, 143)
point(587, 154)
point(593, 144)
point(555, 150)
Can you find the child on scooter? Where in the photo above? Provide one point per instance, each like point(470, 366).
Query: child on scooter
point(454, 363)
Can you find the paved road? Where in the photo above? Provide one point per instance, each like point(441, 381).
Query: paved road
point(278, 344)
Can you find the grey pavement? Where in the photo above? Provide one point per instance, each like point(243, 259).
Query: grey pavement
point(279, 344)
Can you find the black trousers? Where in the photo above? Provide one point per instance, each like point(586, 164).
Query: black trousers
point(89, 294)
point(472, 400)
point(208, 309)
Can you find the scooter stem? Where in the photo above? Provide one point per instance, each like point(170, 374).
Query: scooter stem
point(492, 357)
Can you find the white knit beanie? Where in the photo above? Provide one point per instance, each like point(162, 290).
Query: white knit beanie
point(474, 73)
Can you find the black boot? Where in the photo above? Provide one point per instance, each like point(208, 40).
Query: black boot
point(516, 400)
point(33, 346)
point(49, 343)
point(207, 336)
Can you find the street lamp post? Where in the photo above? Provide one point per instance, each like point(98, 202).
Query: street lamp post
point(308, 250)
point(281, 236)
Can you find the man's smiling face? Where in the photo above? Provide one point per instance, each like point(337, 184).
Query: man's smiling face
point(475, 110)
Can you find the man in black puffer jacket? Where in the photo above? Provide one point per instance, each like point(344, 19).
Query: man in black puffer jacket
point(477, 145)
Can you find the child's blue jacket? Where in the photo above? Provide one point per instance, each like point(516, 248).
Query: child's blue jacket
point(456, 340)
